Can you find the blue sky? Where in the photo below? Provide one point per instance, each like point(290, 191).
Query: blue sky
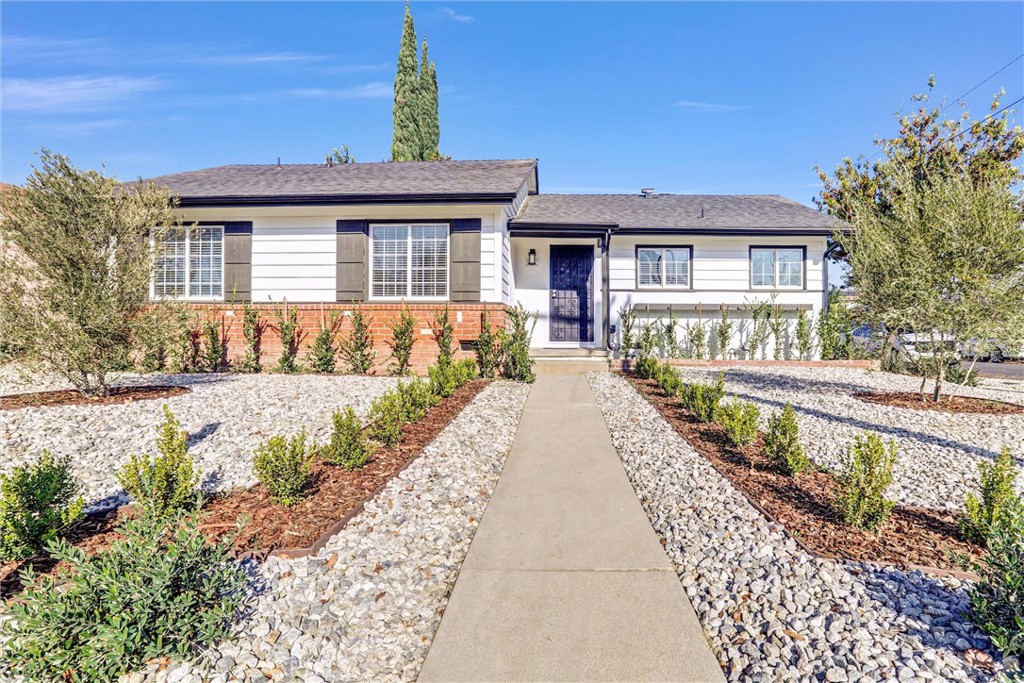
point(612, 97)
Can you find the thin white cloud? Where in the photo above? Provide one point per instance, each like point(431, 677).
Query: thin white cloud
point(253, 59)
point(73, 93)
point(690, 105)
point(449, 13)
point(366, 91)
point(74, 129)
point(39, 48)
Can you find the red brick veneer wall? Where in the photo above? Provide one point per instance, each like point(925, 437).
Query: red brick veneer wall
point(379, 317)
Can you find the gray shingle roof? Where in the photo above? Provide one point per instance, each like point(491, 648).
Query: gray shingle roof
point(316, 182)
point(679, 211)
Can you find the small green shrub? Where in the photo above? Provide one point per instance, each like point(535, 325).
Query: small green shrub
point(998, 497)
point(252, 331)
point(702, 399)
point(723, 332)
point(283, 465)
point(997, 599)
point(38, 502)
point(168, 482)
point(698, 335)
point(357, 349)
point(514, 345)
point(417, 397)
point(669, 336)
point(804, 335)
point(161, 590)
point(385, 418)
point(782, 443)
point(348, 446)
point(627, 318)
point(443, 332)
point(867, 474)
point(288, 328)
point(739, 419)
point(488, 350)
point(322, 353)
point(183, 350)
point(646, 365)
point(213, 347)
point(403, 336)
point(669, 380)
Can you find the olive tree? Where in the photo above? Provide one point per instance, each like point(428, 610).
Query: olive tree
point(945, 259)
point(76, 266)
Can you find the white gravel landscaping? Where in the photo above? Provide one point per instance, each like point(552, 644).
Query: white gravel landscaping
point(226, 416)
point(773, 612)
point(366, 607)
point(938, 452)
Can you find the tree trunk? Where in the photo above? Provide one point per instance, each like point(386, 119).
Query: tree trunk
point(967, 376)
point(940, 367)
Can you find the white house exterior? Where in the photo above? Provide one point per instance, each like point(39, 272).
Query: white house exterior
point(480, 232)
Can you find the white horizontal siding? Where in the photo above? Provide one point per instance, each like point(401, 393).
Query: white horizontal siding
point(294, 259)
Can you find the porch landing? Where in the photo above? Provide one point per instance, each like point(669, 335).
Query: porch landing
point(565, 579)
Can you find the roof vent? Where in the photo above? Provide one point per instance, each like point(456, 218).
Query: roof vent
point(647, 192)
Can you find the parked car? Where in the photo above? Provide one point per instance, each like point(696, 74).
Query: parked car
point(991, 351)
point(927, 345)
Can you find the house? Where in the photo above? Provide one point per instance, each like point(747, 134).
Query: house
point(480, 236)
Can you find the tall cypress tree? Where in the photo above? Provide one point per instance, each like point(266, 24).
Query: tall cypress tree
point(406, 142)
point(430, 126)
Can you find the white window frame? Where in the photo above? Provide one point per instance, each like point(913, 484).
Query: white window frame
point(776, 249)
point(188, 267)
point(408, 275)
point(663, 248)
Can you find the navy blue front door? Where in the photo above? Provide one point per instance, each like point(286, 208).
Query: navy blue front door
point(572, 293)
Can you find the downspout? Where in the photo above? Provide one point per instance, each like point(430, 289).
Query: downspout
point(606, 303)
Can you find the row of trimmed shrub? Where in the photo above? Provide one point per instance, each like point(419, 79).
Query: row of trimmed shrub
point(994, 520)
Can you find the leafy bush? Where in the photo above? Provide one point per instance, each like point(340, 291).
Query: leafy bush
point(183, 350)
point(804, 336)
point(443, 331)
point(739, 419)
point(322, 354)
point(669, 380)
point(627, 318)
point(385, 418)
point(402, 340)
point(168, 482)
point(417, 397)
point(998, 497)
point(252, 330)
point(698, 340)
point(488, 351)
point(702, 399)
point(445, 379)
point(669, 338)
point(38, 502)
point(779, 327)
point(357, 349)
point(213, 348)
point(348, 446)
point(724, 334)
point(867, 473)
point(282, 465)
point(514, 345)
point(162, 590)
point(782, 443)
point(997, 599)
point(288, 328)
point(646, 366)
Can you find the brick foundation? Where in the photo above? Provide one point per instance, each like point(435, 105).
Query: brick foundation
point(378, 317)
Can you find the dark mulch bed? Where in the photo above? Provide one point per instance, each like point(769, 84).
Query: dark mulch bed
point(336, 491)
point(803, 504)
point(958, 404)
point(336, 496)
point(70, 397)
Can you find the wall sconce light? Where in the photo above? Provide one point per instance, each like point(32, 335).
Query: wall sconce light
point(531, 258)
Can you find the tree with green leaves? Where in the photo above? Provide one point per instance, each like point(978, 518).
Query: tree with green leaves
point(339, 157)
point(406, 144)
point(430, 125)
point(76, 269)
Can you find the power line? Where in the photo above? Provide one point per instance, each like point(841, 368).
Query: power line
point(1001, 70)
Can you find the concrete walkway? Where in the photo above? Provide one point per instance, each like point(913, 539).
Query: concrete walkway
point(565, 579)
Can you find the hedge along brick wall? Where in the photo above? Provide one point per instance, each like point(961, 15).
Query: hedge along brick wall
point(378, 316)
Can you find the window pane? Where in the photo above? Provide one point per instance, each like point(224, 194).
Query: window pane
point(649, 267)
point(429, 260)
point(205, 261)
point(677, 267)
point(390, 261)
point(169, 275)
point(790, 267)
point(763, 267)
